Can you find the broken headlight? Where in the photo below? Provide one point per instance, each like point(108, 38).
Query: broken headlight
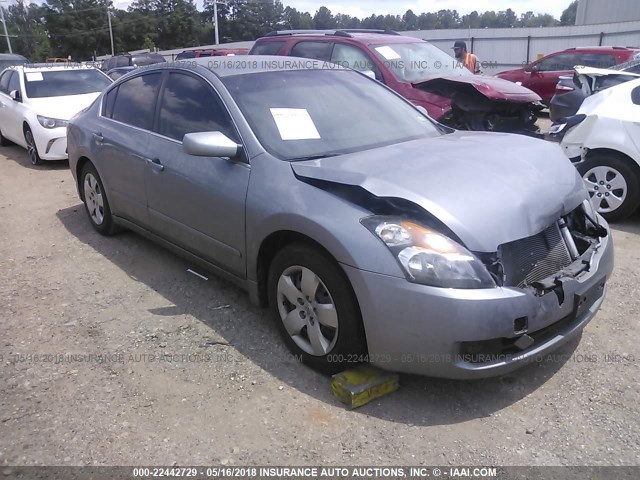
point(428, 257)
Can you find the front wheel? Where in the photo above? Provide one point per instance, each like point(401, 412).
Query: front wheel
point(613, 185)
point(316, 311)
point(32, 149)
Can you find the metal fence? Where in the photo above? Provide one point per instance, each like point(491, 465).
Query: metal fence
point(504, 49)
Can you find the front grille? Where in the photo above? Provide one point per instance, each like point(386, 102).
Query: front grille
point(533, 258)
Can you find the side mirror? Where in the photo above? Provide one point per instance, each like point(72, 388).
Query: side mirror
point(422, 110)
point(209, 144)
point(15, 95)
point(369, 73)
point(531, 69)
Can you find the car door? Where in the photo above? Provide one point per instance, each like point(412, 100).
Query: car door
point(15, 111)
point(5, 101)
point(546, 74)
point(121, 138)
point(196, 202)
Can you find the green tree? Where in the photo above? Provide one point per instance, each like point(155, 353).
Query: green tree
point(27, 30)
point(568, 17)
point(323, 19)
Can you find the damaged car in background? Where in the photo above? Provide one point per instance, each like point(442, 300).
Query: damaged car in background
point(372, 232)
point(603, 142)
point(572, 90)
point(420, 72)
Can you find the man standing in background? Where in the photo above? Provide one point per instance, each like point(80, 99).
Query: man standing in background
point(469, 60)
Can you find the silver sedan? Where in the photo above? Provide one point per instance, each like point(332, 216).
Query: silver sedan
point(371, 232)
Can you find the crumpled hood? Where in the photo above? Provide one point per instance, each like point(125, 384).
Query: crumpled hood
point(488, 188)
point(62, 108)
point(491, 87)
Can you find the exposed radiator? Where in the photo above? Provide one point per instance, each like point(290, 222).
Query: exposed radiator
point(533, 258)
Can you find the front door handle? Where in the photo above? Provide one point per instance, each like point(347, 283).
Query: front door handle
point(98, 136)
point(156, 163)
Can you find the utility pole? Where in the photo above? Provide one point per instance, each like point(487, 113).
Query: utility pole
point(110, 32)
point(215, 17)
point(6, 34)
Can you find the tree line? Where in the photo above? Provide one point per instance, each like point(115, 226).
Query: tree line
point(80, 29)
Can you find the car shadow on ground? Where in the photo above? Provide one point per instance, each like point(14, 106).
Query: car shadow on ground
point(628, 225)
point(19, 155)
point(249, 329)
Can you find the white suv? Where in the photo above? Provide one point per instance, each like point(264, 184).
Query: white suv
point(36, 101)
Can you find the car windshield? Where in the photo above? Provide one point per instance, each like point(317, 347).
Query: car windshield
point(59, 83)
point(417, 61)
point(300, 114)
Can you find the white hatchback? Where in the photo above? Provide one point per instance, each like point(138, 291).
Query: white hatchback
point(36, 102)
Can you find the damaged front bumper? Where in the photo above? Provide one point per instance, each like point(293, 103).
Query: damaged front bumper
point(464, 334)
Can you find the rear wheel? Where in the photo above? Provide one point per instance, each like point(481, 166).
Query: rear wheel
point(613, 185)
point(31, 147)
point(95, 201)
point(316, 311)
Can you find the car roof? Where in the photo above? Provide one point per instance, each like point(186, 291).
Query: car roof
point(11, 56)
point(599, 48)
point(227, 67)
point(359, 35)
point(52, 67)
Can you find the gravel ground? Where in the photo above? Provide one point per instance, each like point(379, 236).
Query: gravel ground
point(192, 373)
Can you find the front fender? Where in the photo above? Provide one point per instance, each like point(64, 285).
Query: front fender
point(278, 202)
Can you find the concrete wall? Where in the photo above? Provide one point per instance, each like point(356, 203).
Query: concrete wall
point(592, 12)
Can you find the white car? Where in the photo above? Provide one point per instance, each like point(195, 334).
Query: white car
point(603, 141)
point(36, 102)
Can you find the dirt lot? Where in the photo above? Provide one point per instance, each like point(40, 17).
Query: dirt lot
point(192, 373)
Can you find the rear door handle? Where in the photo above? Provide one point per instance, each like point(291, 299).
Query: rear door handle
point(155, 163)
point(98, 136)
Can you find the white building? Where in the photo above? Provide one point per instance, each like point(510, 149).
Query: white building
point(592, 12)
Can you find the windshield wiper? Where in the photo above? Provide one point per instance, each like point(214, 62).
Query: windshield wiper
point(315, 157)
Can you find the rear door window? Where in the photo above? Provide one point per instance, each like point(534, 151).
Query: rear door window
point(136, 99)
point(564, 61)
point(266, 48)
point(596, 60)
point(313, 50)
point(188, 105)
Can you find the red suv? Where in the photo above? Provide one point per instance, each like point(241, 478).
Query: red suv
point(420, 72)
point(542, 75)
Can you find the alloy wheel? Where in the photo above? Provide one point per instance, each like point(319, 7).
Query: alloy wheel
point(307, 310)
point(93, 199)
point(31, 147)
point(607, 188)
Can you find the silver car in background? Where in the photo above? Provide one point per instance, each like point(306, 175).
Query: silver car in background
point(372, 232)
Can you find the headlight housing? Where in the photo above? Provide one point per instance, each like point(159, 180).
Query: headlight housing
point(428, 257)
point(47, 122)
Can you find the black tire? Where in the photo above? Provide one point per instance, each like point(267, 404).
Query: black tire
point(347, 345)
point(32, 149)
point(100, 217)
point(614, 164)
point(3, 140)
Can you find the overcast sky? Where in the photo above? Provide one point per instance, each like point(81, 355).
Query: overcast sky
point(364, 8)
